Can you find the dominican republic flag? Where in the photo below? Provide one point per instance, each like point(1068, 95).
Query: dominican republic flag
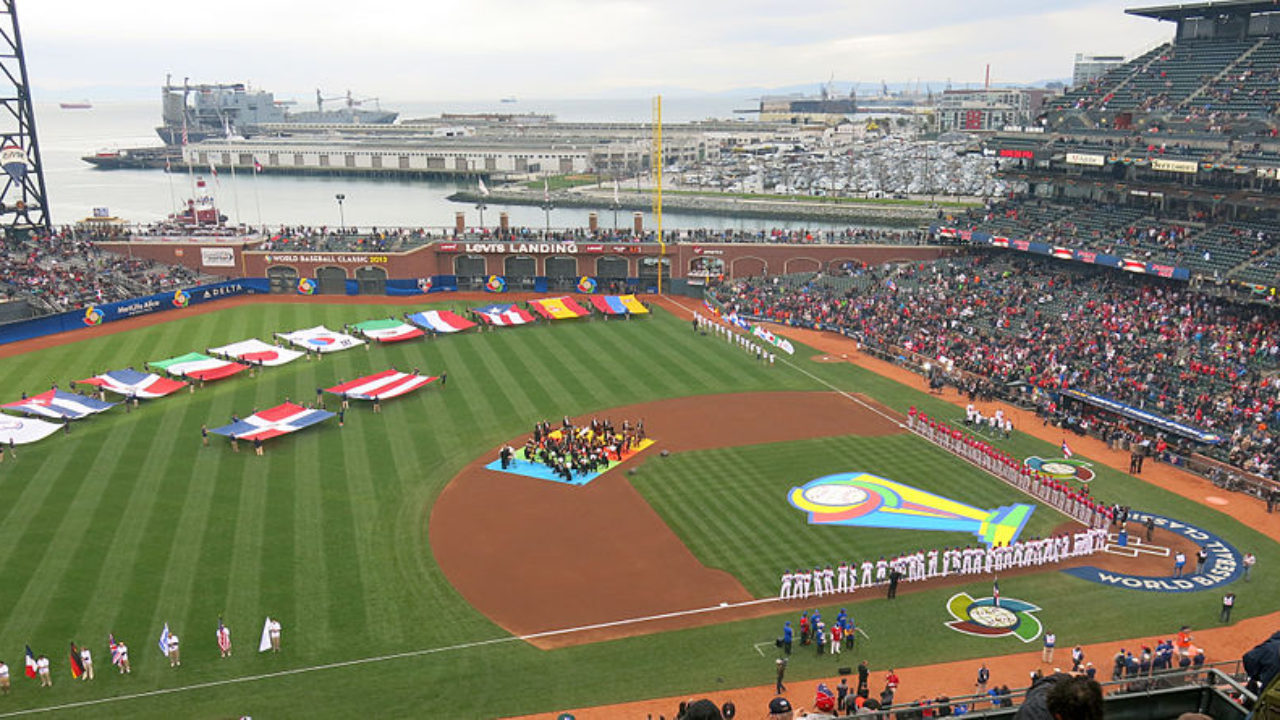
point(164, 640)
point(137, 384)
point(388, 331)
point(256, 351)
point(321, 339)
point(503, 315)
point(117, 650)
point(1066, 450)
point(995, 591)
point(559, 308)
point(31, 663)
point(77, 666)
point(59, 404)
point(224, 637)
point(380, 386)
point(199, 366)
point(441, 321)
point(273, 422)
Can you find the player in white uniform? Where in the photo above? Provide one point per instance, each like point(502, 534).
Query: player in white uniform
point(882, 570)
point(842, 577)
point(784, 591)
point(867, 567)
point(828, 580)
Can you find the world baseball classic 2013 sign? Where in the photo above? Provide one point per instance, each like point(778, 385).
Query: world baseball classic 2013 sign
point(1222, 567)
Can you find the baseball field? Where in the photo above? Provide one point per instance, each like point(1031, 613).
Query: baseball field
point(412, 582)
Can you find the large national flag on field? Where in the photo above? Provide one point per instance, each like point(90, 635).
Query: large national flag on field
point(58, 404)
point(618, 304)
point(441, 321)
point(134, 383)
point(256, 351)
point(77, 666)
point(782, 344)
point(321, 339)
point(273, 422)
point(558, 308)
point(380, 386)
point(388, 330)
point(500, 314)
point(21, 431)
point(31, 663)
point(199, 366)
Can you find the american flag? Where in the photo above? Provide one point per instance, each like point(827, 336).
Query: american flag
point(224, 637)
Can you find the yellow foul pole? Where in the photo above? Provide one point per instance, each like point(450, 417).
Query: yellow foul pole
point(656, 163)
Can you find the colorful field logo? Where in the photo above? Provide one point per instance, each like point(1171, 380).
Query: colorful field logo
point(1063, 468)
point(306, 286)
point(181, 299)
point(866, 500)
point(984, 618)
point(92, 316)
point(586, 284)
point(495, 284)
point(1223, 566)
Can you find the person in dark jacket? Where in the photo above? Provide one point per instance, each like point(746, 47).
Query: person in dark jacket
point(1062, 696)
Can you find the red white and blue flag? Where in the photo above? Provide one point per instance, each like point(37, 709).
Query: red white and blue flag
point(256, 351)
point(117, 650)
point(380, 386)
point(59, 404)
point(31, 663)
point(273, 422)
point(135, 384)
point(320, 339)
point(1066, 450)
point(224, 637)
point(441, 321)
point(503, 315)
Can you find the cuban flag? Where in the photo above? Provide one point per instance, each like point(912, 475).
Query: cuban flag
point(256, 351)
point(380, 386)
point(388, 331)
point(133, 383)
point(503, 315)
point(59, 404)
point(1066, 450)
point(441, 321)
point(320, 339)
point(273, 422)
point(31, 663)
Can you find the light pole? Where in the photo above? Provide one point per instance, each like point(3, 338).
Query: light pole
point(342, 218)
point(547, 207)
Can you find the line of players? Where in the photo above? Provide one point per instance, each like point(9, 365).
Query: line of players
point(926, 565)
point(703, 324)
point(997, 423)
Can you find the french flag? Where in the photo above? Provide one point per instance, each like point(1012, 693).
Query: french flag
point(31, 663)
point(1066, 450)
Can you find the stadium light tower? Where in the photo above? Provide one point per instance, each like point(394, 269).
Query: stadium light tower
point(24, 203)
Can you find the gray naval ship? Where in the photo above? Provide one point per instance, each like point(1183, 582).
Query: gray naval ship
point(203, 111)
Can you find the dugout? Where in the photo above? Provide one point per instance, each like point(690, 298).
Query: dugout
point(521, 271)
point(562, 272)
point(331, 280)
point(371, 280)
point(470, 271)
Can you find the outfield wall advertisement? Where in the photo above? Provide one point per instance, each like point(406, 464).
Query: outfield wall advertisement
point(95, 315)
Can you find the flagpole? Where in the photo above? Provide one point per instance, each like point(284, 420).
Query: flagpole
point(235, 158)
point(191, 169)
point(173, 198)
point(256, 200)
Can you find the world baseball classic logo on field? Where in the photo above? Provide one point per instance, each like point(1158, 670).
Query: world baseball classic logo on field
point(984, 617)
point(92, 316)
point(1063, 468)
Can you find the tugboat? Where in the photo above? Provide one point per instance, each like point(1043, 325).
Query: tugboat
point(201, 212)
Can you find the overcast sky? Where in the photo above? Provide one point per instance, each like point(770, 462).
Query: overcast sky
point(482, 49)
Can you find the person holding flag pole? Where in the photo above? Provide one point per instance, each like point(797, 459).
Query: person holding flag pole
point(119, 654)
point(995, 591)
point(73, 657)
point(31, 663)
point(4, 678)
point(224, 638)
point(270, 639)
point(1066, 451)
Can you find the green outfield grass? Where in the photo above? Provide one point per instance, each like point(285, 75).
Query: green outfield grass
point(128, 523)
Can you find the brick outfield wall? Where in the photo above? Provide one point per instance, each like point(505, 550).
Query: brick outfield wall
point(738, 260)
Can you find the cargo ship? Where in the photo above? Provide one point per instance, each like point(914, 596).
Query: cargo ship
point(191, 113)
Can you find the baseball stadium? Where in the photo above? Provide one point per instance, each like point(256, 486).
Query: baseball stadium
point(588, 473)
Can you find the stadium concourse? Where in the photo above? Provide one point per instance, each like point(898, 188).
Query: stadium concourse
point(955, 679)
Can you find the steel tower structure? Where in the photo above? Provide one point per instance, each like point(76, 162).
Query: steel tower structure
point(23, 200)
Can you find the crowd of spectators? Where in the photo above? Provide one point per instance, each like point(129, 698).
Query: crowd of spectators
point(1029, 328)
point(63, 271)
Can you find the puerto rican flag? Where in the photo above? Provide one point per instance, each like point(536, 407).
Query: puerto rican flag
point(380, 386)
point(59, 404)
point(1066, 450)
point(134, 383)
point(256, 351)
point(388, 331)
point(274, 422)
point(441, 321)
point(504, 315)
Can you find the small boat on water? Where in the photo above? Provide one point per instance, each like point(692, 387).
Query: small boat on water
point(84, 105)
point(509, 100)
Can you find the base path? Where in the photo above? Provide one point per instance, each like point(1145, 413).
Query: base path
point(536, 556)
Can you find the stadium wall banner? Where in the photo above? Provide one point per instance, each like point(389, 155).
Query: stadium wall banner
point(95, 315)
point(1223, 567)
point(1144, 416)
point(1085, 256)
point(1176, 166)
point(217, 257)
point(1086, 159)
